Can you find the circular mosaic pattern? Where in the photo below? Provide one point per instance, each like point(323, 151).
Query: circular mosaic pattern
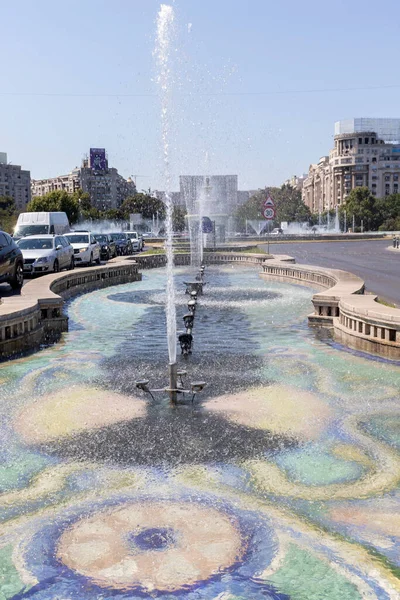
point(161, 546)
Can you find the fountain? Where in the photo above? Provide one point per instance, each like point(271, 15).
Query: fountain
point(337, 224)
point(283, 483)
point(165, 30)
point(156, 225)
point(258, 225)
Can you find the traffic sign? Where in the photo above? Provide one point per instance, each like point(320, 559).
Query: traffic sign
point(269, 213)
point(269, 202)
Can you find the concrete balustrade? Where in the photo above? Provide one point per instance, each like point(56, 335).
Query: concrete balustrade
point(357, 319)
point(366, 325)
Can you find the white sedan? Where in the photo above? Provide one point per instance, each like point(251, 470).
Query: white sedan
point(86, 248)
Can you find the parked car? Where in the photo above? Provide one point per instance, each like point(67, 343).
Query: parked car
point(136, 240)
point(276, 231)
point(11, 262)
point(108, 248)
point(46, 253)
point(123, 243)
point(86, 247)
point(39, 223)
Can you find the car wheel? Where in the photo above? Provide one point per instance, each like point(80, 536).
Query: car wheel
point(91, 260)
point(107, 257)
point(17, 279)
point(72, 264)
point(98, 260)
point(56, 266)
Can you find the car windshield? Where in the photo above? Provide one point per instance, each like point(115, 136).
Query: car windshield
point(78, 238)
point(31, 229)
point(118, 236)
point(36, 244)
point(132, 236)
point(101, 238)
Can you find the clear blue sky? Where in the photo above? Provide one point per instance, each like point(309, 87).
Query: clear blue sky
point(244, 71)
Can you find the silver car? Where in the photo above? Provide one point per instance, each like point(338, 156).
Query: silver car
point(46, 253)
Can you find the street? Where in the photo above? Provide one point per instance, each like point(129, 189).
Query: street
point(369, 259)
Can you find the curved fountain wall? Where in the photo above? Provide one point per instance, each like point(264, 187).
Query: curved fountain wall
point(356, 319)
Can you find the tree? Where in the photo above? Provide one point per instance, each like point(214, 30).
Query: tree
point(178, 218)
point(57, 201)
point(288, 206)
point(112, 214)
point(362, 204)
point(8, 215)
point(7, 205)
point(144, 204)
point(389, 212)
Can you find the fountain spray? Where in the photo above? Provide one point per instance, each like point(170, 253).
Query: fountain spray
point(165, 35)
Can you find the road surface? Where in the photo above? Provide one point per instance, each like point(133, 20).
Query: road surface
point(369, 259)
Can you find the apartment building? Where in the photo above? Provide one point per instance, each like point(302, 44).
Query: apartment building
point(368, 158)
point(14, 182)
point(107, 188)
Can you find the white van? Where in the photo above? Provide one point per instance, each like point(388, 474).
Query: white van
point(38, 223)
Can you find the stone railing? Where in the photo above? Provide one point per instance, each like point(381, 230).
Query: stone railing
point(357, 319)
point(326, 303)
point(152, 261)
point(366, 325)
point(35, 317)
point(213, 258)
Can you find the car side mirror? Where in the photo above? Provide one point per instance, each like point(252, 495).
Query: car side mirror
point(59, 247)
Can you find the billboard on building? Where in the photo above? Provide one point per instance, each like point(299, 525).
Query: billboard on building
point(98, 161)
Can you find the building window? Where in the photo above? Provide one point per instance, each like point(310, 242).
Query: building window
point(374, 159)
point(366, 140)
point(387, 177)
point(361, 151)
point(360, 140)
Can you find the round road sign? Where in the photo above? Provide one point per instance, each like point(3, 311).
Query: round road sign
point(269, 213)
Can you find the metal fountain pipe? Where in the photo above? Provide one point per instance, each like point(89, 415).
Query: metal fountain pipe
point(173, 381)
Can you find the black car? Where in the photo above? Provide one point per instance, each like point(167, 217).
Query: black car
point(11, 262)
point(108, 247)
point(123, 243)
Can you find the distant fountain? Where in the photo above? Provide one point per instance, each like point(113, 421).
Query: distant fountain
point(156, 225)
point(258, 226)
point(165, 21)
point(337, 224)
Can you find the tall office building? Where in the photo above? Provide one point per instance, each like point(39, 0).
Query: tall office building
point(387, 130)
point(218, 193)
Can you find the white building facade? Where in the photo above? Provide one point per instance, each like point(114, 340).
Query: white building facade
point(359, 158)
